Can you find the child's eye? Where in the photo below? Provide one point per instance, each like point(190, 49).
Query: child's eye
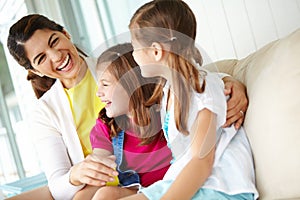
point(104, 84)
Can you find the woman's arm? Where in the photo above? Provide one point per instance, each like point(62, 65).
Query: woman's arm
point(237, 102)
point(55, 155)
point(195, 173)
point(98, 155)
point(96, 169)
point(52, 151)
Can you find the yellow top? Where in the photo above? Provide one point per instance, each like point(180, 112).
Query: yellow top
point(85, 106)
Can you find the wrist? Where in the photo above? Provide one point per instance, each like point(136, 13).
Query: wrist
point(228, 79)
point(72, 178)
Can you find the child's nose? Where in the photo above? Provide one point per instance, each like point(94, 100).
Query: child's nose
point(99, 93)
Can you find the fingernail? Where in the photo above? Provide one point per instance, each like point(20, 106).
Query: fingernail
point(115, 173)
point(113, 166)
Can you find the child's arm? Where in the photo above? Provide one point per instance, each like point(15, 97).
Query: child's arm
point(195, 173)
point(101, 152)
point(105, 157)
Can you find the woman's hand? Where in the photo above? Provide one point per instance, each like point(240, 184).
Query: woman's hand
point(96, 169)
point(238, 102)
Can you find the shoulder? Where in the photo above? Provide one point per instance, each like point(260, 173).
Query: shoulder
point(213, 97)
point(54, 103)
point(100, 128)
point(213, 92)
point(53, 106)
point(56, 89)
point(99, 136)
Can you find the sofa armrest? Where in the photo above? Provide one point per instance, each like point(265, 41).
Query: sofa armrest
point(38, 193)
point(224, 66)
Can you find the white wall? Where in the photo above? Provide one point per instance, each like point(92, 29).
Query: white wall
point(227, 28)
point(235, 28)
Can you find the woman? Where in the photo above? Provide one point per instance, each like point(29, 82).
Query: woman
point(61, 77)
point(68, 105)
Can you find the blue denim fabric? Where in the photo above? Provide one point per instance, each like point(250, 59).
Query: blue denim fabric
point(127, 177)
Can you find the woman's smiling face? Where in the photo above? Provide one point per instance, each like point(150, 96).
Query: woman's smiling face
point(52, 53)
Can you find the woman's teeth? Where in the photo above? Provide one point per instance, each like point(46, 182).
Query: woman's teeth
point(64, 64)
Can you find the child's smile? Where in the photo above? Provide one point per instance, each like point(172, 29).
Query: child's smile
point(113, 94)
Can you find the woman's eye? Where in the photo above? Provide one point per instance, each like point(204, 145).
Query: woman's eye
point(55, 41)
point(41, 59)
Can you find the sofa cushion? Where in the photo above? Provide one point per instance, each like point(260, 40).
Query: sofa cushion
point(272, 78)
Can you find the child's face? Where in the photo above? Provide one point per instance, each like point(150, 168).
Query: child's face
point(143, 58)
point(151, 63)
point(139, 53)
point(112, 93)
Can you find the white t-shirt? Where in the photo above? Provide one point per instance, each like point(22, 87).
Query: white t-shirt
point(233, 170)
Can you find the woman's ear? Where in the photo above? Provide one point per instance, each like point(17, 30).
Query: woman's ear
point(157, 51)
point(66, 34)
point(36, 72)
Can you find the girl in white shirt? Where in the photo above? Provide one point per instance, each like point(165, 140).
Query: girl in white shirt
point(209, 162)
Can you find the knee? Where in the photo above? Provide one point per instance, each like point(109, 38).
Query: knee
point(104, 193)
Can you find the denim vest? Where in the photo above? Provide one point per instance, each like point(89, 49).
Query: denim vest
point(127, 178)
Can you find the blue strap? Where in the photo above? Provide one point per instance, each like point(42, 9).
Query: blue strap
point(117, 143)
point(128, 177)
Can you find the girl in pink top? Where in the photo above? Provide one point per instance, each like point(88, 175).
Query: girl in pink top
point(127, 129)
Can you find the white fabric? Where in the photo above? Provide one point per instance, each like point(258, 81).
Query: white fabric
point(272, 77)
point(56, 139)
point(233, 170)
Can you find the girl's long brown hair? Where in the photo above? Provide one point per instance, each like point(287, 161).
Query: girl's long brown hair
point(172, 23)
point(121, 65)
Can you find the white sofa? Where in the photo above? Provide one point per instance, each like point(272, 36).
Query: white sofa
point(272, 77)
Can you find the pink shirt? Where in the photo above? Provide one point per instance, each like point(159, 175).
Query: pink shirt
point(150, 161)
